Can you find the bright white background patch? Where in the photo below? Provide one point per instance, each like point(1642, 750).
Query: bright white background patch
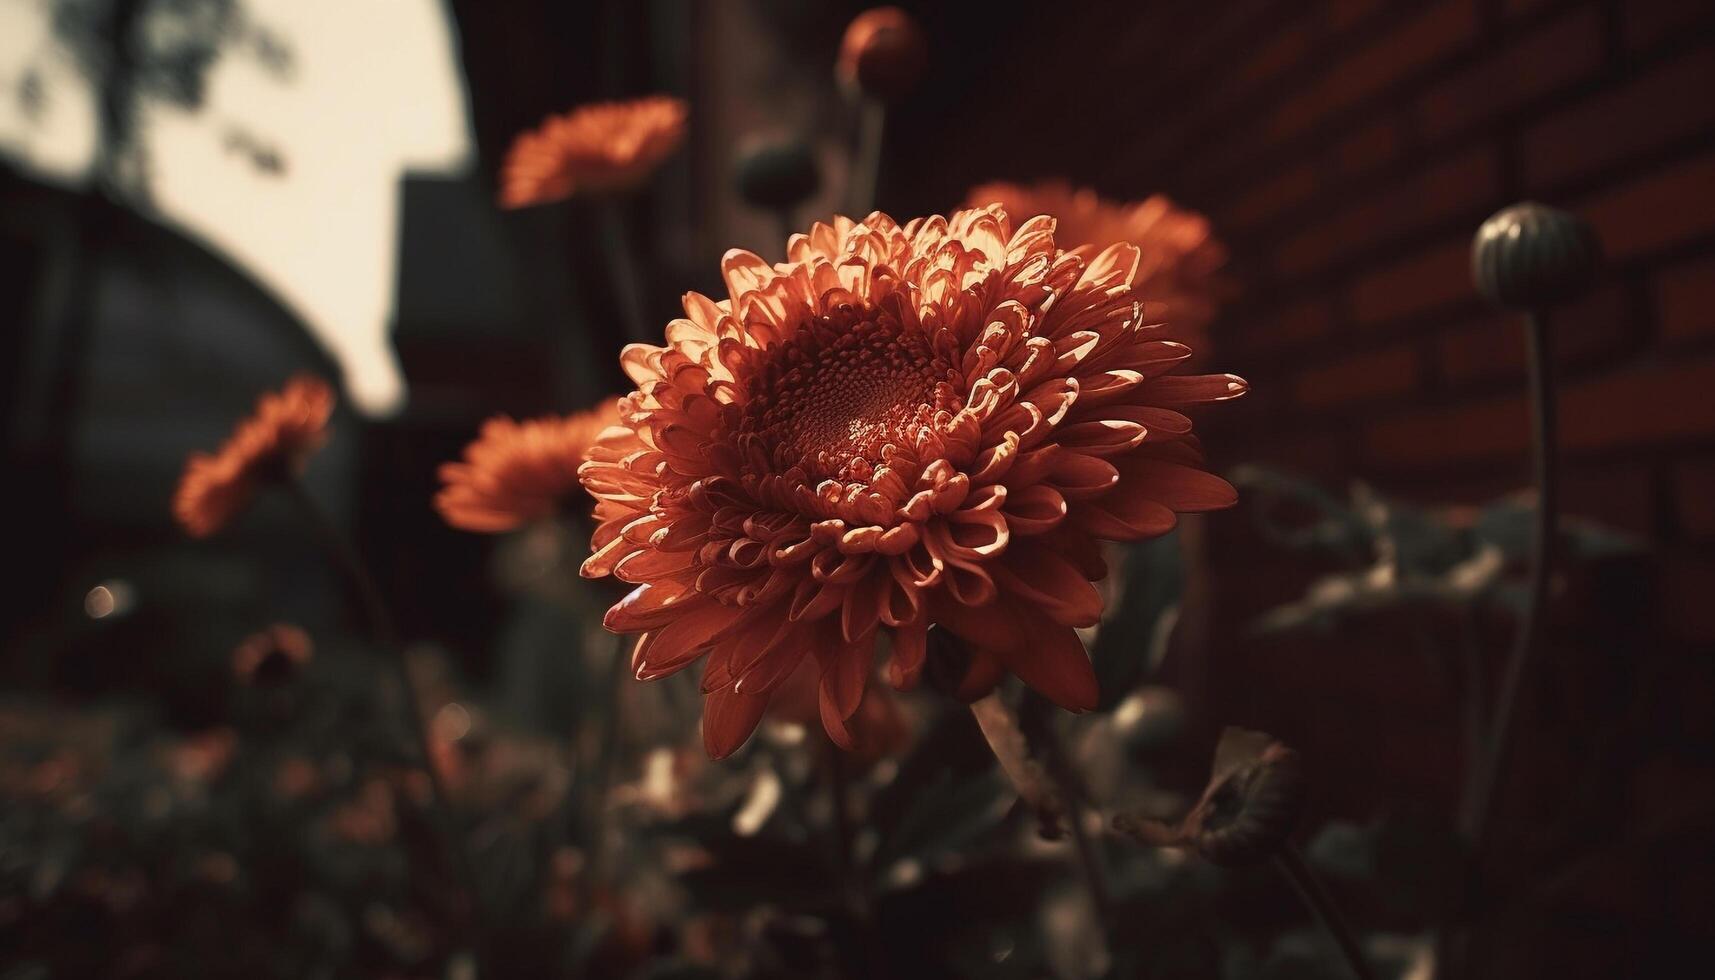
point(374, 90)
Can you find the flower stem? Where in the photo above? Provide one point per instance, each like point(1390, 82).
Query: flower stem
point(382, 631)
point(1050, 787)
point(601, 775)
point(1475, 695)
point(1000, 727)
point(1321, 904)
point(868, 960)
point(866, 161)
point(1491, 767)
point(622, 269)
point(1089, 858)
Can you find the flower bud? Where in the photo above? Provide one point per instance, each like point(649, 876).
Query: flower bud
point(1530, 255)
point(883, 54)
point(777, 173)
point(1248, 811)
point(1244, 818)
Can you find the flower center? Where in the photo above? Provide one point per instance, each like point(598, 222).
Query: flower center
point(842, 393)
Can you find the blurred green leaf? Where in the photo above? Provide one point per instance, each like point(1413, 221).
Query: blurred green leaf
point(1131, 636)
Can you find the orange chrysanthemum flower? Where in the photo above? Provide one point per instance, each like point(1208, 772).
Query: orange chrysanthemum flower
point(1179, 255)
point(594, 149)
point(518, 472)
point(274, 442)
point(897, 428)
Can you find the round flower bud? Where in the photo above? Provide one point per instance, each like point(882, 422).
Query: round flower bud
point(1246, 814)
point(1244, 818)
point(883, 54)
point(777, 173)
point(1530, 255)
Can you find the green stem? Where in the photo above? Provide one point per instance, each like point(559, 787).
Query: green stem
point(1322, 905)
point(351, 566)
point(868, 959)
point(601, 776)
point(866, 161)
point(1481, 802)
point(623, 270)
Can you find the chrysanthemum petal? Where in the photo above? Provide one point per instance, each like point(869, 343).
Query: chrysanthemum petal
point(897, 429)
point(1052, 660)
point(728, 720)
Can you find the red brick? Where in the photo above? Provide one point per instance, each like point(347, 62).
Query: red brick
point(1344, 13)
point(1645, 22)
point(1659, 404)
point(1694, 496)
point(1685, 298)
point(1519, 8)
point(1301, 323)
point(1547, 59)
point(1620, 497)
point(1418, 42)
point(1201, 41)
point(1365, 377)
point(1310, 453)
point(1595, 327)
point(1264, 201)
point(1667, 206)
point(1488, 348)
point(1687, 583)
point(1368, 149)
point(1426, 439)
point(1310, 249)
point(1632, 119)
point(1436, 277)
point(1285, 49)
point(1450, 187)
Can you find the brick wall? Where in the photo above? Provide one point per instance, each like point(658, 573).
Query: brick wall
point(1347, 150)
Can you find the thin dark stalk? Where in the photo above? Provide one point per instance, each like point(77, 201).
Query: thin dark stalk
point(622, 269)
point(868, 958)
point(1051, 787)
point(866, 161)
point(1000, 728)
point(1480, 804)
point(601, 775)
point(1089, 851)
point(1321, 904)
point(1476, 679)
point(341, 552)
point(839, 793)
point(1090, 859)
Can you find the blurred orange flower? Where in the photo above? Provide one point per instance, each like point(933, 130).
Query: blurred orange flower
point(893, 429)
point(202, 757)
point(883, 53)
point(369, 817)
point(1178, 253)
point(518, 472)
point(593, 149)
point(272, 655)
point(273, 443)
